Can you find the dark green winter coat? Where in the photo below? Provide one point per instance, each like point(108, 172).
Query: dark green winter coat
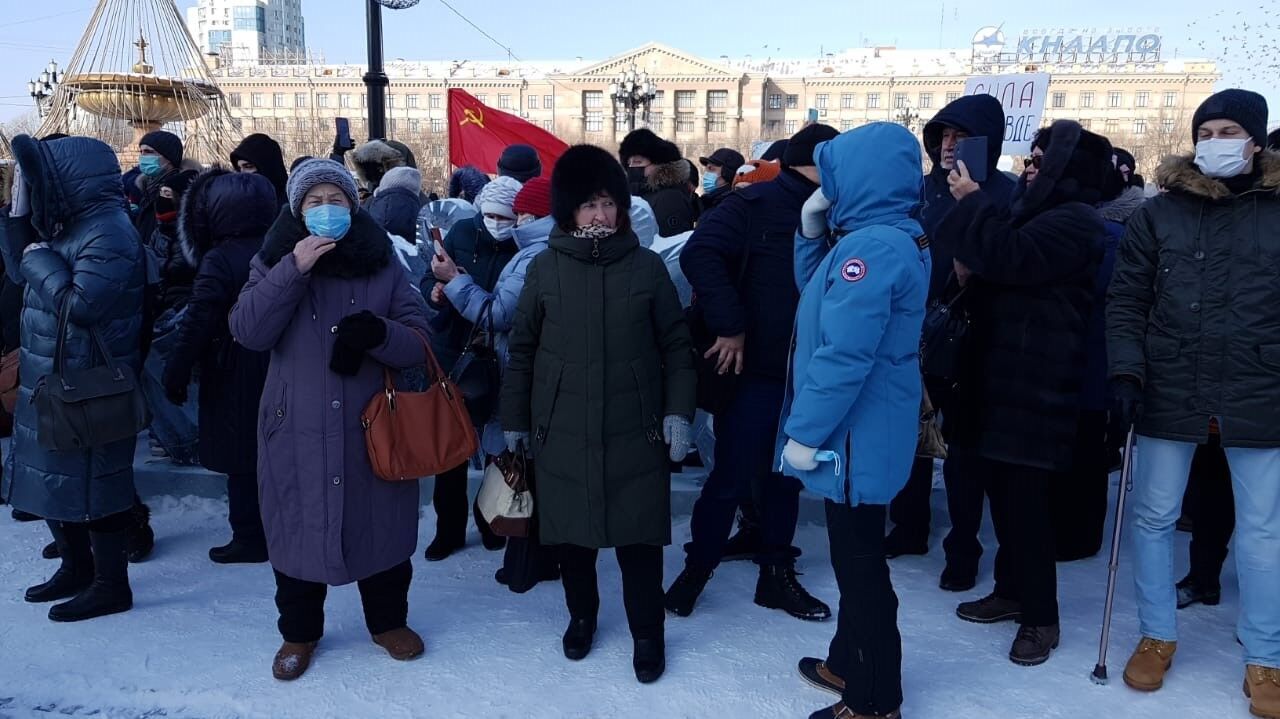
point(1193, 312)
point(599, 354)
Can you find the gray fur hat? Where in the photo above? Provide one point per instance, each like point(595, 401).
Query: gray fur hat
point(317, 172)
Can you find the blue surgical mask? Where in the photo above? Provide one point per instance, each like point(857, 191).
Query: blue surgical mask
point(331, 221)
point(150, 165)
point(709, 180)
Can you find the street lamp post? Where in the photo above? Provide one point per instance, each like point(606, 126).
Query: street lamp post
point(41, 89)
point(375, 80)
point(907, 117)
point(633, 91)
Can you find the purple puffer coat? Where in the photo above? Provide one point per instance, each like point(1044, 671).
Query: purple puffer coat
point(328, 518)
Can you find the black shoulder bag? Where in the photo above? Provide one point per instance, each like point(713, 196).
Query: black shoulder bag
point(477, 373)
point(79, 409)
point(944, 334)
point(715, 390)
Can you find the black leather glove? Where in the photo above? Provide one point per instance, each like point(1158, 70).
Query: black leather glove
point(175, 384)
point(362, 331)
point(346, 360)
point(1126, 400)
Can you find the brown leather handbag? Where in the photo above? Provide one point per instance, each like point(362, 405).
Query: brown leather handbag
point(411, 435)
point(929, 442)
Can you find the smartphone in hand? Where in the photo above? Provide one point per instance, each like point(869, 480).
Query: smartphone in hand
point(342, 139)
point(972, 151)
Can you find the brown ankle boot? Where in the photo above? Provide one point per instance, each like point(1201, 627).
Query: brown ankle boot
point(1262, 686)
point(1149, 663)
point(292, 660)
point(402, 644)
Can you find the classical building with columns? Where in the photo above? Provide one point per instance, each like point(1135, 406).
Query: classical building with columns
point(1141, 101)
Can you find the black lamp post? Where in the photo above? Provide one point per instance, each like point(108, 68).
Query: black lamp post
point(375, 80)
point(42, 88)
point(633, 91)
point(907, 117)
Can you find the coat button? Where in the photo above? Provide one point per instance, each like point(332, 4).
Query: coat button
point(279, 413)
point(1199, 254)
point(337, 481)
point(333, 330)
point(1195, 306)
point(335, 404)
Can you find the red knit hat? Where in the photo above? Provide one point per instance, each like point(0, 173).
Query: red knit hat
point(534, 198)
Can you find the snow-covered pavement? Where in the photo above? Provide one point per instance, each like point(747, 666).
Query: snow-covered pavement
point(200, 639)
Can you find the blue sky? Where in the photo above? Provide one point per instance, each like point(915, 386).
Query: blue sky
point(32, 33)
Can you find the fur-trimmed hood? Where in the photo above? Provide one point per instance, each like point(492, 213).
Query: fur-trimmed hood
point(1119, 209)
point(670, 174)
point(373, 159)
point(222, 205)
point(1178, 173)
point(362, 252)
point(1077, 166)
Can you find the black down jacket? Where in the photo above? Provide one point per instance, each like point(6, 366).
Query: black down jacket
point(1193, 313)
point(94, 263)
point(223, 220)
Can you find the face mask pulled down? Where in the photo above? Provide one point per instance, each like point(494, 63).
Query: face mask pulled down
point(500, 229)
point(1219, 157)
point(329, 221)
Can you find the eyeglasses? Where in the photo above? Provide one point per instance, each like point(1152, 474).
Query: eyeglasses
point(1036, 160)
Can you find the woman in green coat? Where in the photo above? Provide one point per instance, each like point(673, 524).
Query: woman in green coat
point(600, 386)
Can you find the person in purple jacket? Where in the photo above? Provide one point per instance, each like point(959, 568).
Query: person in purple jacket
point(328, 300)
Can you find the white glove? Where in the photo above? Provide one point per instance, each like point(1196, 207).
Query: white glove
point(813, 216)
point(20, 197)
point(799, 456)
point(515, 438)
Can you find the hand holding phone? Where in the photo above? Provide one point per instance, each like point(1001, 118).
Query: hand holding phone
point(972, 151)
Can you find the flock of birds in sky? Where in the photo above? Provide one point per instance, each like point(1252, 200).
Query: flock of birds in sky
point(1245, 43)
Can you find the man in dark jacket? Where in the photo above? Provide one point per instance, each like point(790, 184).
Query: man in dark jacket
point(224, 218)
point(261, 154)
point(658, 174)
point(1029, 272)
point(739, 262)
point(397, 201)
point(1193, 322)
point(968, 116)
point(719, 170)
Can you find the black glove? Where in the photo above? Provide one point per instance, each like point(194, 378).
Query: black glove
point(346, 360)
point(362, 331)
point(175, 387)
point(1126, 400)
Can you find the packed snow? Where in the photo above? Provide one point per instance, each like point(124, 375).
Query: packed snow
point(200, 640)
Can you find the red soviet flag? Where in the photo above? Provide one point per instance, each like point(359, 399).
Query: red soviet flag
point(478, 134)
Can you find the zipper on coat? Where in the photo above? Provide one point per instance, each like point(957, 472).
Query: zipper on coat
point(848, 453)
point(648, 420)
point(540, 436)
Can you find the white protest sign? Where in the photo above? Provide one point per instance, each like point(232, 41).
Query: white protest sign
point(1023, 98)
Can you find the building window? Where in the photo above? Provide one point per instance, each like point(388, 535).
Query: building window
point(593, 99)
point(1170, 99)
point(415, 126)
point(873, 100)
point(299, 99)
point(301, 125)
point(793, 102)
point(926, 100)
point(437, 125)
point(504, 101)
point(413, 101)
point(282, 125)
point(1114, 98)
point(900, 100)
point(773, 127)
point(250, 17)
point(1086, 99)
point(1139, 127)
point(791, 127)
point(256, 99)
point(1166, 126)
point(1086, 124)
point(322, 99)
point(259, 124)
point(531, 102)
point(716, 122)
point(595, 121)
point(1113, 126)
point(684, 122)
point(364, 100)
point(659, 99)
point(685, 99)
point(433, 101)
point(218, 38)
point(823, 99)
point(1059, 100)
point(234, 99)
point(952, 97)
point(775, 101)
point(846, 125)
point(391, 100)
point(717, 98)
point(846, 100)
point(1142, 99)
point(277, 99)
point(548, 125)
point(344, 100)
point(548, 102)
point(482, 98)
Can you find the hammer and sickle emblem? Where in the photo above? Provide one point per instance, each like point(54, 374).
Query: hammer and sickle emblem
point(475, 117)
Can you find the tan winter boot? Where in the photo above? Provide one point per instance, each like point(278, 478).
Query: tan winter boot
point(292, 660)
point(1149, 663)
point(1262, 686)
point(402, 644)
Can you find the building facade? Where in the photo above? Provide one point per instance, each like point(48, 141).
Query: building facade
point(249, 32)
point(702, 104)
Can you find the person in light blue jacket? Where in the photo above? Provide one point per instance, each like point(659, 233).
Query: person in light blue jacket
point(850, 417)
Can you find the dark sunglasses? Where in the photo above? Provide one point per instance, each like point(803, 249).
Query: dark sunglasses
point(1036, 160)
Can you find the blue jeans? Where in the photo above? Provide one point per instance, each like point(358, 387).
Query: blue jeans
point(177, 429)
point(1160, 478)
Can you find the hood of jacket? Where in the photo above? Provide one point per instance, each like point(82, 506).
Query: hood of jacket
point(1178, 173)
point(69, 179)
point(611, 248)
point(1076, 167)
point(669, 174)
point(396, 209)
point(872, 177)
point(1119, 209)
point(221, 205)
point(533, 233)
point(362, 252)
point(974, 115)
point(265, 155)
point(373, 159)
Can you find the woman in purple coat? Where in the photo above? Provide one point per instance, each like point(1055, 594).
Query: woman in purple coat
point(328, 300)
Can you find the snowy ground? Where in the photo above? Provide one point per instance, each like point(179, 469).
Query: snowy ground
point(200, 639)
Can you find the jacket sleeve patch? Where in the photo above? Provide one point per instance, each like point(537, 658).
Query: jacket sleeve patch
point(853, 270)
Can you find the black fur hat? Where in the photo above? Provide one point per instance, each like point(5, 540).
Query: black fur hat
point(582, 172)
point(643, 143)
point(1273, 140)
point(1077, 167)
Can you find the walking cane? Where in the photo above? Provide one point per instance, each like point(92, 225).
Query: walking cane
point(1099, 675)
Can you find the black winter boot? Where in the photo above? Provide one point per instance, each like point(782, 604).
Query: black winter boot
point(1033, 645)
point(51, 551)
point(684, 592)
point(990, 610)
point(109, 593)
point(141, 540)
point(76, 571)
point(649, 659)
point(578, 638)
point(746, 544)
point(1192, 591)
point(21, 516)
point(491, 541)
point(778, 588)
point(240, 551)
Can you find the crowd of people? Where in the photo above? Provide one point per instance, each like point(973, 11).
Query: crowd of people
point(839, 295)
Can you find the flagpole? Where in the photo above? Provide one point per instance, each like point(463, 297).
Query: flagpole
point(375, 79)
